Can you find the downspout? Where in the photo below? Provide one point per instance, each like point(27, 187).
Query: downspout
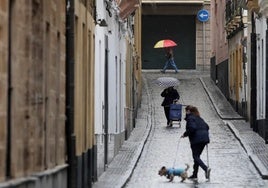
point(253, 98)
point(266, 59)
point(8, 153)
point(70, 136)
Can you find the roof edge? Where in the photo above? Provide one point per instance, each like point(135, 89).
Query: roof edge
point(172, 2)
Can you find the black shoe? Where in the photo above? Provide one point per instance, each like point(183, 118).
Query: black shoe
point(169, 125)
point(193, 177)
point(208, 173)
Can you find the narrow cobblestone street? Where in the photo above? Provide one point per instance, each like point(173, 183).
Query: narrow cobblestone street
point(230, 164)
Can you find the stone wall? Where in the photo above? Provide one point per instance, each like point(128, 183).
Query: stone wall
point(32, 52)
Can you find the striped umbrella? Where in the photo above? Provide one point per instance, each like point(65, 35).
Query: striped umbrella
point(166, 81)
point(165, 43)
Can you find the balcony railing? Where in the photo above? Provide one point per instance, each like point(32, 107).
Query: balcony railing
point(233, 17)
point(233, 9)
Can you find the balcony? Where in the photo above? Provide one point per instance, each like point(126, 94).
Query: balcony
point(263, 4)
point(127, 7)
point(234, 18)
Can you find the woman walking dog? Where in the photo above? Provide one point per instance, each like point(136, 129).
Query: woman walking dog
point(198, 132)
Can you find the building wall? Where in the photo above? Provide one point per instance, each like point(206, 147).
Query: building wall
point(256, 69)
point(236, 30)
point(137, 58)
point(203, 41)
point(250, 69)
point(261, 28)
point(261, 15)
point(202, 35)
point(256, 82)
point(117, 56)
point(219, 50)
point(84, 78)
point(237, 87)
point(34, 67)
point(99, 114)
point(110, 77)
point(32, 115)
point(218, 33)
point(115, 61)
point(128, 110)
point(222, 72)
point(3, 85)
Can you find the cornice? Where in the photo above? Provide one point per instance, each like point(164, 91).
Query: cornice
point(263, 4)
point(176, 1)
point(253, 5)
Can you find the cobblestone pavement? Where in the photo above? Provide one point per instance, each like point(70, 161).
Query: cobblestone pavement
point(230, 164)
point(237, 155)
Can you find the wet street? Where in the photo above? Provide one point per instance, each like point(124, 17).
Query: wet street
point(230, 164)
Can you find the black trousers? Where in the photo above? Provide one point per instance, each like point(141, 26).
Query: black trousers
point(197, 150)
point(166, 109)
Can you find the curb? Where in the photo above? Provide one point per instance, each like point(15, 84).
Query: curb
point(213, 100)
point(253, 157)
point(109, 178)
point(148, 130)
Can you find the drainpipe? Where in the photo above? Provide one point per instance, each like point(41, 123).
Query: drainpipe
point(266, 115)
point(253, 92)
point(9, 82)
point(70, 136)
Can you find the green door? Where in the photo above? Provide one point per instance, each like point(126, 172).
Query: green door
point(181, 29)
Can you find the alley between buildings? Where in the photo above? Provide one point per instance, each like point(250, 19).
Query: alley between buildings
point(230, 163)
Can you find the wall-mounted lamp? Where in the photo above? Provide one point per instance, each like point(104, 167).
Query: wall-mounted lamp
point(102, 23)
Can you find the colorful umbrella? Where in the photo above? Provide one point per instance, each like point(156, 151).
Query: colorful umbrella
point(166, 81)
point(165, 43)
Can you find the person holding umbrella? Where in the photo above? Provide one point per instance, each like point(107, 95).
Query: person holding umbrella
point(170, 94)
point(167, 44)
point(170, 60)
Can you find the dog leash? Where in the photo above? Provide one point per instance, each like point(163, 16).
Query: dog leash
point(176, 152)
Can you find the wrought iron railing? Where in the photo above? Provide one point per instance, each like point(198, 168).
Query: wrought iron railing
point(233, 9)
point(233, 17)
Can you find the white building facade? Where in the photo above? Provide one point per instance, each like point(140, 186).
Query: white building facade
point(261, 17)
point(111, 44)
point(257, 57)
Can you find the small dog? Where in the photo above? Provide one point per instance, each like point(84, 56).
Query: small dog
point(171, 172)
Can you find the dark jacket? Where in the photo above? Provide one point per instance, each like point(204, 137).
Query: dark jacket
point(170, 95)
point(196, 129)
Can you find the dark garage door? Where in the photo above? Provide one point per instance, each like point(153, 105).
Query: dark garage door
point(180, 28)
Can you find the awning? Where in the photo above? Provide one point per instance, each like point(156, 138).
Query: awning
point(127, 7)
point(174, 1)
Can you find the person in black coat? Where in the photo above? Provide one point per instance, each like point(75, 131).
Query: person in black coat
point(170, 94)
point(198, 132)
